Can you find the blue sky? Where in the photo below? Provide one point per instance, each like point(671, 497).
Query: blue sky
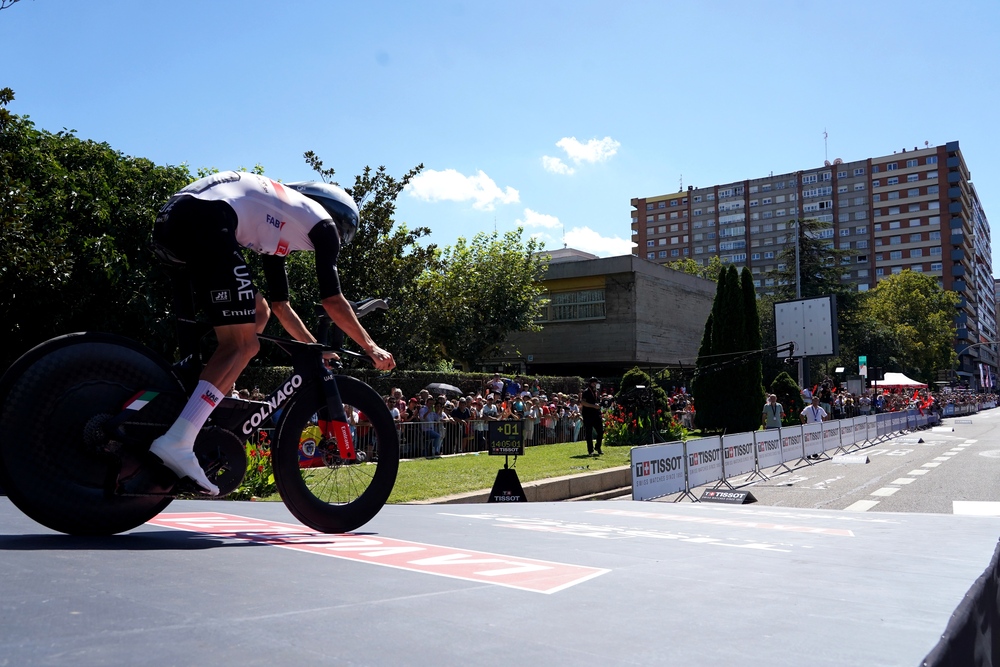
point(546, 114)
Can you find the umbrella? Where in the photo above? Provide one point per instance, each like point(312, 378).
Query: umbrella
point(442, 388)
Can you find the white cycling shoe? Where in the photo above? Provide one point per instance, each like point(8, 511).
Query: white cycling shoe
point(180, 458)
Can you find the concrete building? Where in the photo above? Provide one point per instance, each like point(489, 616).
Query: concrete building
point(605, 315)
point(915, 209)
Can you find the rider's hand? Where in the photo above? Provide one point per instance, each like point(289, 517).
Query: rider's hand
point(329, 358)
point(383, 360)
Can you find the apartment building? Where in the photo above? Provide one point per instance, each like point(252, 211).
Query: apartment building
point(914, 209)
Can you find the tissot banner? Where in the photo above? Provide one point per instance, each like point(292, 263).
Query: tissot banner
point(768, 448)
point(737, 454)
point(791, 443)
point(704, 461)
point(657, 470)
point(812, 438)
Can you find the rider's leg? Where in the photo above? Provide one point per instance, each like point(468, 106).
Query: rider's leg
point(237, 346)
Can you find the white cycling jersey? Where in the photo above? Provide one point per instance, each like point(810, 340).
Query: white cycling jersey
point(273, 219)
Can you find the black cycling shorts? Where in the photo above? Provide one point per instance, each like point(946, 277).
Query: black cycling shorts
point(202, 235)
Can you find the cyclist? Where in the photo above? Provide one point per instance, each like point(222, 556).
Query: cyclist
point(204, 227)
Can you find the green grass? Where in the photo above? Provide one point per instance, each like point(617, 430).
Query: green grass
point(423, 479)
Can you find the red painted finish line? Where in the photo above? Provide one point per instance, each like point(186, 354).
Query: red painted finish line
point(525, 574)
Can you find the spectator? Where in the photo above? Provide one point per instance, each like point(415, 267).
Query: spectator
point(431, 418)
point(773, 413)
point(590, 410)
point(463, 416)
point(814, 413)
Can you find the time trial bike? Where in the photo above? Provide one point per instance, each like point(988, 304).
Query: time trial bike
point(80, 411)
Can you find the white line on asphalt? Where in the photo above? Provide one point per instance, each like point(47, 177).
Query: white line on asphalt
point(918, 472)
point(942, 458)
point(975, 508)
point(885, 491)
point(861, 506)
point(931, 465)
point(903, 480)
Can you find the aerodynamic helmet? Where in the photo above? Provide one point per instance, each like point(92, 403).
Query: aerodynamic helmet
point(337, 203)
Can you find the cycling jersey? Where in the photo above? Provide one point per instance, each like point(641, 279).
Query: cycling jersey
point(204, 225)
point(272, 219)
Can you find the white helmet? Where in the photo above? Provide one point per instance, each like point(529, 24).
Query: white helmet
point(337, 203)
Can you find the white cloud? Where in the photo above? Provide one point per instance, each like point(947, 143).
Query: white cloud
point(586, 239)
point(535, 219)
point(450, 185)
point(595, 150)
point(556, 166)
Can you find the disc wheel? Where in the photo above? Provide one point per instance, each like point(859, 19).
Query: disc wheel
point(337, 496)
point(56, 464)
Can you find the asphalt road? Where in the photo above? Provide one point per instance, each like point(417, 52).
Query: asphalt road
point(949, 469)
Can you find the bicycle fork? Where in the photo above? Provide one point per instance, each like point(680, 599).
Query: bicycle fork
point(337, 427)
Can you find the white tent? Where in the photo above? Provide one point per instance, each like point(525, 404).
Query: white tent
point(899, 381)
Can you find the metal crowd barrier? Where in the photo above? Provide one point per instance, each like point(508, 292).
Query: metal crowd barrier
point(677, 467)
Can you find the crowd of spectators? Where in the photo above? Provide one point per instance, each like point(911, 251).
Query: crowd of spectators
point(440, 423)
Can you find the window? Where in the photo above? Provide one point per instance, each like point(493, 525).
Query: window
point(675, 253)
point(896, 270)
point(662, 254)
point(661, 204)
point(876, 197)
point(649, 218)
point(578, 305)
point(895, 240)
point(650, 243)
point(661, 242)
point(769, 255)
point(859, 186)
point(697, 198)
point(894, 224)
point(649, 255)
point(825, 176)
point(894, 194)
point(933, 204)
point(841, 174)
point(912, 208)
point(673, 215)
point(755, 256)
point(891, 166)
point(892, 180)
point(934, 236)
point(932, 189)
point(661, 216)
point(845, 232)
point(932, 159)
point(673, 228)
point(649, 207)
point(931, 174)
point(913, 192)
point(915, 222)
point(673, 202)
point(896, 254)
point(862, 273)
point(912, 177)
point(861, 244)
point(860, 215)
point(936, 250)
point(860, 171)
point(916, 252)
point(878, 272)
point(935, 266)
point(911, 163)
point(842, 189)
point(860, 230)
point(809, 178)
point(893, 210)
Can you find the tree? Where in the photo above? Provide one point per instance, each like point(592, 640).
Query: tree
point(482, 291)
point(385, 260)
point(819, 263)
point(693, 267)
point(75, 221)
point(750, 393)
point(910, 312)
point(789, 395)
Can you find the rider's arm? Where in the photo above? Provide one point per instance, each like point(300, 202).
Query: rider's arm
point(326, 243)
point(277, 290)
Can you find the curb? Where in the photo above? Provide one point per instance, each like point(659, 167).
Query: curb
point(551, 490)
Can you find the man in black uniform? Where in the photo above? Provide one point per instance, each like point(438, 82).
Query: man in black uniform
point(590, 410)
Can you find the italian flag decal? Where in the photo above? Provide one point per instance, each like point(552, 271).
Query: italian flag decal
point(139, 401)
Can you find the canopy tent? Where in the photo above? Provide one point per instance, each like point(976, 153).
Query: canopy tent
point(899, 381)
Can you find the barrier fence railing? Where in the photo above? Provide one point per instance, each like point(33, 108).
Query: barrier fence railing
point(678, 467)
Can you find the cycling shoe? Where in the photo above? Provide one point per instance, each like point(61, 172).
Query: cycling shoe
point(180, 458)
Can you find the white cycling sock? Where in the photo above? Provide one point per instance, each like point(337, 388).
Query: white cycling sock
point(176, 447)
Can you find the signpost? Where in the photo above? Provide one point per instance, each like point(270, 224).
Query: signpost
point(505, 438)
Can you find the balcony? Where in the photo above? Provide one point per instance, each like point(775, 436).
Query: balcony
point(954, 177)
point(954, 193)
point(955, 207)
point(957, 255)
point(954, 162)
point(958, 270)
point(957, 239)
point(959, 286)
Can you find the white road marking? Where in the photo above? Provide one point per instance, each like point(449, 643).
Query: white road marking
point(861, 506)
point(903, 480)
point(885, 491)
point(941, 458)
point(975, 508)
point(931, 465)
point(918, 472)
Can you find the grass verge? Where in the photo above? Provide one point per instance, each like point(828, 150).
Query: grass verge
point(423, 479)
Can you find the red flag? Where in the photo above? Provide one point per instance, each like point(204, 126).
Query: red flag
point(916, 394)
